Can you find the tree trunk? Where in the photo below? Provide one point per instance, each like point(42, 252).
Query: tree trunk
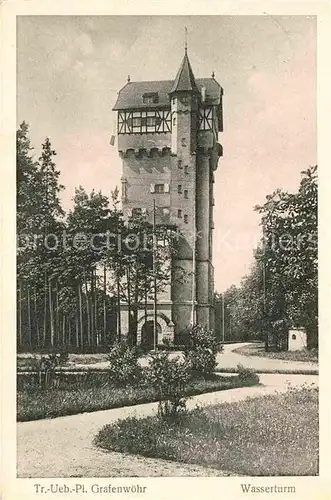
point(29, 316)
point(57, 314)
point(128, 283)
point(80, 315)
point(92, 303)
point(69, 331)
point(135, 315)
point(87, 311)
point(77, 331)
point(36, 316)
point(45, 310)
point(104, 304)
point(51, 312)
point(96, 329)
point(266, 339)
point(145, 302)
point(119, 326)
point(63, 330)
point(94, 308)
point(20, 337)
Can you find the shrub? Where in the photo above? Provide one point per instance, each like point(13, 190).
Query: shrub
point(138, 436)
point(124, 367)
point(169, 379)
point(46, 368)
point(201, 348)
point(247, 376)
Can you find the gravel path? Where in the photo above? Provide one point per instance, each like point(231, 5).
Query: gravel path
point(63, 447)
point(225, 361)
point(229, 360)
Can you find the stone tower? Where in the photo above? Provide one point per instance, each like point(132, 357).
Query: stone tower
point(168, 140)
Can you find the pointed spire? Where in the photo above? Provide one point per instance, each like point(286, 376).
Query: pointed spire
point(185, 46)
point(184, 80)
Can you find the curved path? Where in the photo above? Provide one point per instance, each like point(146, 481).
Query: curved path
point(63, 447)
point(229, 360)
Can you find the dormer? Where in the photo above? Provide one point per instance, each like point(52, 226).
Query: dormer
point(150, 98)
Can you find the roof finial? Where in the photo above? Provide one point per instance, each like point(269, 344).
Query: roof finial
point(213, 74)
point(185, 40)
point(129, 79)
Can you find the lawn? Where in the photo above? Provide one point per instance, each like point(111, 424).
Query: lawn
point(258, 350)
point(274, 435)
point(92, 392)
point(27, 361)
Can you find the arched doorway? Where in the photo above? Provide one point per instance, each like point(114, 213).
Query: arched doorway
point(147, 334)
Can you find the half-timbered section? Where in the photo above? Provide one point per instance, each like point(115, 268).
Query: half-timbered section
point(144, 122)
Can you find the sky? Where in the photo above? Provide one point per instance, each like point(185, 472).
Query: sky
point(69, 70)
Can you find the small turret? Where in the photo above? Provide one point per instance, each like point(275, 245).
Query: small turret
point(184, 81)
point(184, 95)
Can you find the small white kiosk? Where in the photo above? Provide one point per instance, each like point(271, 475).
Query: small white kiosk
point(297, 339)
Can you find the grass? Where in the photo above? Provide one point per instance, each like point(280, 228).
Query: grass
point(258, 350)
point(78, 394)
point(26, 361)
point(287, 371)
point(275, 435)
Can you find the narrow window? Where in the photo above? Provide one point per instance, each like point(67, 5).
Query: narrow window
point(179, 188)
point(186, 169)
point(151, 121)
point(180, 164)
point(186, 193)
point(186, 219)
point(124, 190)
point(174, 121)
point(159, 188)
point(184, 141)
point(136, 121)
point(180, 214)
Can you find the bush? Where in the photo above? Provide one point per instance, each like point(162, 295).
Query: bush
point(124, 367)
point(137, 436)
point(247, 376)
point(169, 379)
point(46, 368)
point(201, 348)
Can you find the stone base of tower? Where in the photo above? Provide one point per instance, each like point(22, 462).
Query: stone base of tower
point(145, 326)
point(205, 316)
point(182, 316)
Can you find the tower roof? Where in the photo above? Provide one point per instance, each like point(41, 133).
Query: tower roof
point(184, 80)
point(131, 95)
